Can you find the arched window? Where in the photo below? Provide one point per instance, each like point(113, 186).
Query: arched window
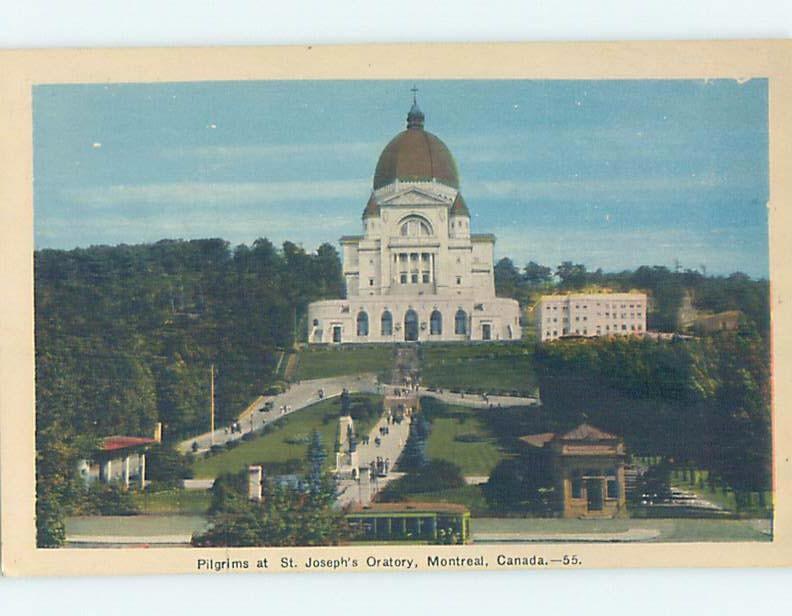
point(415, 226)
point(386, 324)
point(362, 324)
point(436, 323)
point(460, 322)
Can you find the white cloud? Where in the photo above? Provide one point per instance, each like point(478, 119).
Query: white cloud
point(215, 193)
point(222, 153)
point(587, 188)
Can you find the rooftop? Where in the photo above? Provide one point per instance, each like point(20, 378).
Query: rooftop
point(587, 432)
point(584, 432)
point(116, 443)
point(409, 507)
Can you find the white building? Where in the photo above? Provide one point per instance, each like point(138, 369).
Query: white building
point(417, 272)
point(590, 314)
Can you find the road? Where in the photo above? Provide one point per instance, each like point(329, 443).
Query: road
point(299, 396)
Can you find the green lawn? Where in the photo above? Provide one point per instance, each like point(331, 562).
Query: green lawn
point(479, 367)
point(177, 501)
point(273, 446)
point(450, 422)
point(322, 362)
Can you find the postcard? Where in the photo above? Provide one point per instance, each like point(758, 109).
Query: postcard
point(395, 308)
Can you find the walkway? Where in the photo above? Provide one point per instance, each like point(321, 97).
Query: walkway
point(391, 448)
point(477, 400)
point(391, 444)
point(298, 396)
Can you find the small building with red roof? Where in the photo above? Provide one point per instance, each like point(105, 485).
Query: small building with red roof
point(119, 459)
point(588, 470)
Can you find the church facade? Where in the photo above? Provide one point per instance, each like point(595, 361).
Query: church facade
point(417, 273)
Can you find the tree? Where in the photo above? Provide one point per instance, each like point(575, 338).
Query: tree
point(315, 457)
point(285, 517)
point(572, 276)
point(520, 484)
point(167, 467)
point(535, 274)
point(507, 277)
point(414, 454)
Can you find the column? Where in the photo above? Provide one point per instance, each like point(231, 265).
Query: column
point(255, 479)
point(431, 267)
point(126, 472)
point(142, 470)
point(106, 471)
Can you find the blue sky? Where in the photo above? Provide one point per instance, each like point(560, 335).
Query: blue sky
point(613, 174)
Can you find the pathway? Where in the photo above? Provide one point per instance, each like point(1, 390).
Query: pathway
point(477, 400)
point(298, 396)
point(391, 444)
point(391, 447)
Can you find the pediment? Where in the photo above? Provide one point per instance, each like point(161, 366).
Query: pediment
point(415, 196)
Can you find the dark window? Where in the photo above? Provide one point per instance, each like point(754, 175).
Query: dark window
point(577, 486)
point(436, 323)
point(386, 324)
point(613, 488)
point(362, 324)
point(460, 322)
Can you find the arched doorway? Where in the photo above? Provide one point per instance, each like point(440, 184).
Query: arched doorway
point(411, 326)
point(362, 324)
point(386, 324)
point(436, 323)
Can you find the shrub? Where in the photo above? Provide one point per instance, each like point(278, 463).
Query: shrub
point(298, 439)
point(428, 478)
point(520, 484)
point(469, 438)
point(107, 499)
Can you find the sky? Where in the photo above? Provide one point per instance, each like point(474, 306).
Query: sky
point(612, 174)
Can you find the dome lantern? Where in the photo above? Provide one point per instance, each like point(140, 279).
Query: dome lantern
point(415, 117)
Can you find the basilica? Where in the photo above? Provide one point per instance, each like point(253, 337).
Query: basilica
point(417, 273)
